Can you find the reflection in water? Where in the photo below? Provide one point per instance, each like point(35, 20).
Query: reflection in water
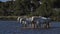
point(12, 27)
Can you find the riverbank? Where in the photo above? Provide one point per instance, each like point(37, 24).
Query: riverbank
point(9, 18)
point(14, 18)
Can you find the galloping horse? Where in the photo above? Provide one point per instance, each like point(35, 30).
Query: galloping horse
point(34, 20)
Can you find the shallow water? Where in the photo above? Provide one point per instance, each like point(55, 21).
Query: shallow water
point(13, 27)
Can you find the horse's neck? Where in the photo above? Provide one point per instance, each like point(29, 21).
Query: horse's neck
point(18, 18)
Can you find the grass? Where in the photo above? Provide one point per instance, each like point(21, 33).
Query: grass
point(8, 17)
point(15, 18)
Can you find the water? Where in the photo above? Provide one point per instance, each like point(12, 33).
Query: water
point(12, 27)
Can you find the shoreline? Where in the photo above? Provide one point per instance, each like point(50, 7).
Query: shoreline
point(14, 18)
point(8, 18)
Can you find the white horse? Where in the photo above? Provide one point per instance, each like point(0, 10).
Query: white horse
point(25, 20)
point(30, 19)
point(18, 18)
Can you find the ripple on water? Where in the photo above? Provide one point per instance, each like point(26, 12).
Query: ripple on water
point(12, 27)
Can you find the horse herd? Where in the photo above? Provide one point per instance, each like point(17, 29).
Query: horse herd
point(34, 22)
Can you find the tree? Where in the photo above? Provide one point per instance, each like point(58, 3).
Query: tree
point(45, 8)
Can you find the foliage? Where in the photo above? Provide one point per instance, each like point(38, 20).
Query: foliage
point(23, 7)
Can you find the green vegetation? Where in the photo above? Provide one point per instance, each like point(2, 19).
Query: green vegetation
point(30, 8)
